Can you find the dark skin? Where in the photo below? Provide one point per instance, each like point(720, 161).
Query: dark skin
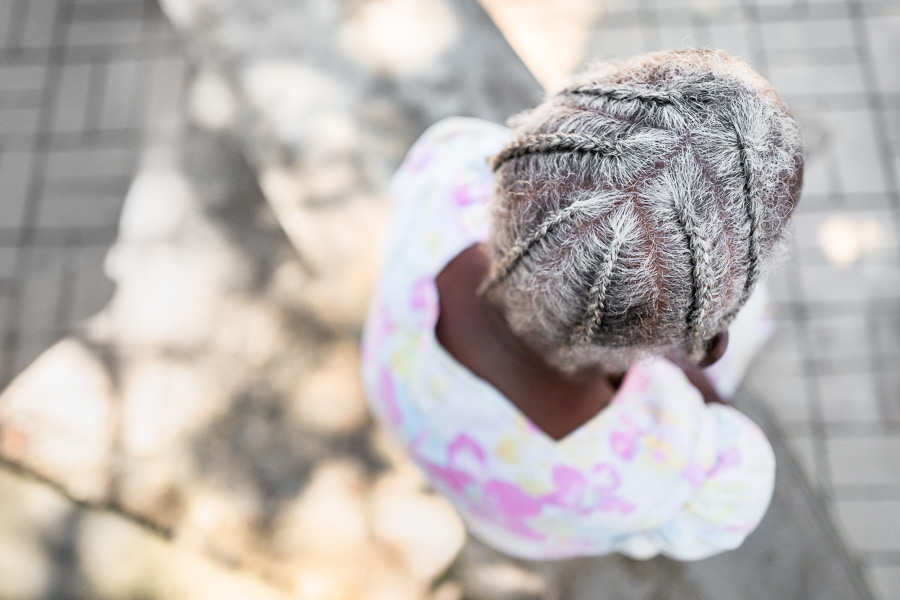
point(474, 331)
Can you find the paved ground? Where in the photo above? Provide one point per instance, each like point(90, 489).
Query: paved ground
point(89, 97)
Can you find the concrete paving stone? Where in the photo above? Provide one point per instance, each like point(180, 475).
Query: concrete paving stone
point(676, 37)
point(882, 280)
point(841, 336)
point(869, 525)
point(892, 118)
point(620, 6)
point(803, 447)
point(888, 379)
point(707, 8)
point(40, 292)
point(797, 11)
point(78, 210)
point(786, 395)
point(118, 103)
point(848, 398)
point(782, 354)
point(813, 80)
point(780, 35)
point(7, 13)
point(92, 288)
point(19, 121)
point(88, 163)
point(884, 46)
point(846, 236)
point(18, 78)
point(106, 10)
point(831, 284)
point(72, 96)
point(103, 33)
point(865, 460)
point(40, 17)
point(7, 261)
point(782, 287)
point(886, 333)
point(164, 78)
point(818, 176)
point(15, 181)
point(885, 581)
point(813, 56)
point(5, 317)
point(734, 38)
point(857, 152)
point(621, 41)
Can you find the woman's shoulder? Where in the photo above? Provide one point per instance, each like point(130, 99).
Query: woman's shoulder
point(452, 128)
point(451, 143)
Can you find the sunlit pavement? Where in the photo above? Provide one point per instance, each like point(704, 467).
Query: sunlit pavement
point(186, 366)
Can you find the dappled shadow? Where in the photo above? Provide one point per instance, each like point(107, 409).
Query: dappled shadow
point(257, 447)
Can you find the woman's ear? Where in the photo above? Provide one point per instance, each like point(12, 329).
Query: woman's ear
point(715, 348)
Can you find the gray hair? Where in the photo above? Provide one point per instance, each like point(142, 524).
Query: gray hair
point(635, 210)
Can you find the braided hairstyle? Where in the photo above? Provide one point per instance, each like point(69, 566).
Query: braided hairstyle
point(635, 210)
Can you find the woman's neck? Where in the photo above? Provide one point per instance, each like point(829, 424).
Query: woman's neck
point(475, 331)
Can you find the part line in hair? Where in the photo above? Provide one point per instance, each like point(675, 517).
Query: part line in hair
point(544, 143)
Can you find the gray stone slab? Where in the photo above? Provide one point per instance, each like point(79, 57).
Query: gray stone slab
point(119, 97)
point(105, 32)
point(809, 34)
point(865, 460)
point(72, 97)
point(870, 525)
point(848, 397)
point(7, 261)
point(80, 210)
point(41, 292)
point(37, 31)
point(90, 163)
point(884, 45)
point(18, 121)
point(885, 581)
point(15, 181)
point(840, 337)
point(734, 38)
point(16, 77)
point(813, 80)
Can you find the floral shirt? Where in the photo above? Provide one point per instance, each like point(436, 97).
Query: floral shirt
point(656, 471)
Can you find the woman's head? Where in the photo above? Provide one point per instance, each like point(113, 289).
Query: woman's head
point(635, 210)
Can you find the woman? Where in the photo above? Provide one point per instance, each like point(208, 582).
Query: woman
point(551, 293)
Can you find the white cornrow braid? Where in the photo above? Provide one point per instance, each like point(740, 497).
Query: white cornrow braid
point(501, 269)
point(701, 274)
point(754, 217)
point(553, 142)
point(668, 97)
point(684, 168)
point(593, 315)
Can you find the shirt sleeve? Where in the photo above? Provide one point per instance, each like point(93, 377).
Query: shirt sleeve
point(730, 503)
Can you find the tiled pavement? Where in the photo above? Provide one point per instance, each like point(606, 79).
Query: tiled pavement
point(83, 83)
point(83, 88)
